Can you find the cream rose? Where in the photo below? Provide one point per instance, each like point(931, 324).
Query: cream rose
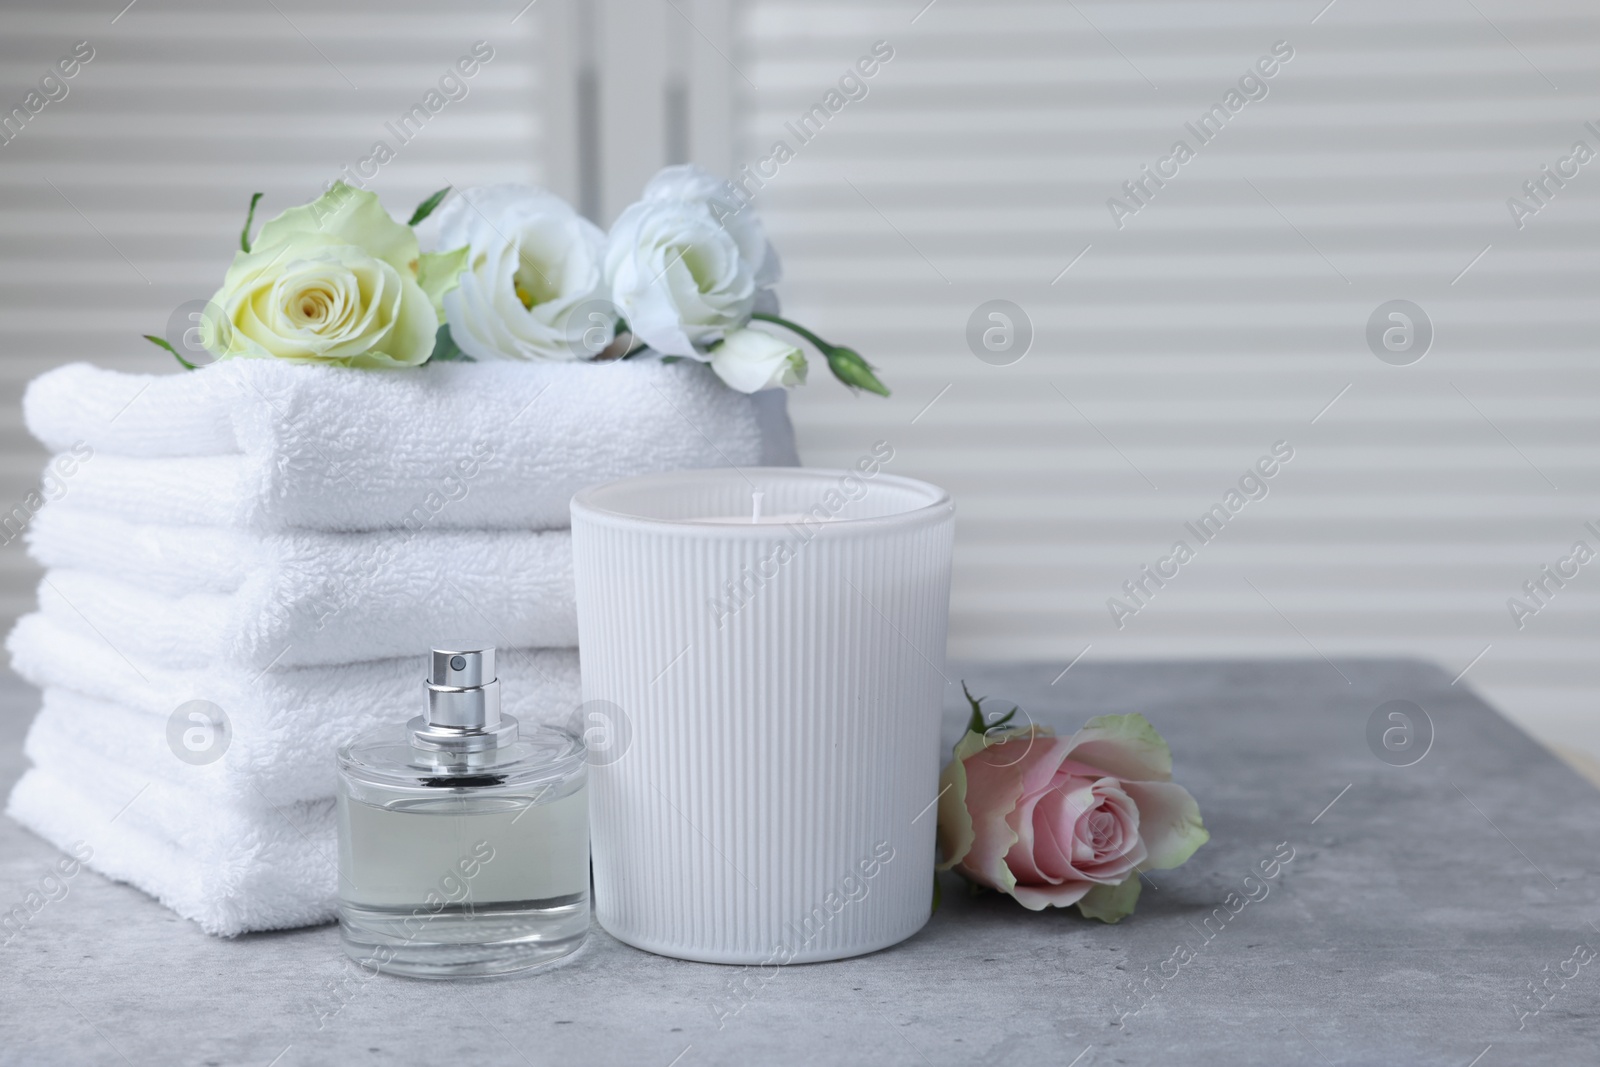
point(534, 287)
point(335, 281)
point(687, 265)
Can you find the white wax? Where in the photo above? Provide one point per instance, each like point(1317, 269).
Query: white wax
point(756, 517)
point(751, 520)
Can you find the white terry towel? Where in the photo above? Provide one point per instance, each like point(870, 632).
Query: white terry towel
point(270, 445)
point(176, 596)
point(229, 869)
point(174, 560)
point(285, 724)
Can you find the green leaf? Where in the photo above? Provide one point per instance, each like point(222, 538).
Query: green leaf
point(445, 349)
point(425, 208)
point(1111, 903)
point(977, 724)
point(440, 272)
point(162, 343)
point(669, 359)
point(249, 220)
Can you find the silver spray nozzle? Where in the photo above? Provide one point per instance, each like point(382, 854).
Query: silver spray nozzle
point(463, 712)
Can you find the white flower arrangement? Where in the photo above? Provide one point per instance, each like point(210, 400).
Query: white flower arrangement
point(517, 274)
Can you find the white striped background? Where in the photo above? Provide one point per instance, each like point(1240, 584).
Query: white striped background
point(1220, 319)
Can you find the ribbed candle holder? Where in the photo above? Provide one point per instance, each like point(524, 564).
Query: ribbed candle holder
point(773, 642)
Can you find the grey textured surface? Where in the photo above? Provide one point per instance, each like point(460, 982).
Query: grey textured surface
point(1405, 930)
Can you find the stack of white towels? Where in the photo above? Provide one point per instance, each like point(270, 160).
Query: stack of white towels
point(286, 543)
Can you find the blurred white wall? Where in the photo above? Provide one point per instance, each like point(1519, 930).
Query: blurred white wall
point(1227, 312)
point(1174, 338)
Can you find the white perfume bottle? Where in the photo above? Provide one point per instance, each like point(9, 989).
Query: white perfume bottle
point(463, 839)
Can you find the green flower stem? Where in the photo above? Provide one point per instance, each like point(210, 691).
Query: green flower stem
point(794, 327)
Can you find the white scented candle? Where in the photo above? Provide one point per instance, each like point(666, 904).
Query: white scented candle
point(774, 639)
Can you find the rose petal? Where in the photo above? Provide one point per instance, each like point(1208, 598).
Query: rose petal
point(1169, 822)
point(1020, 856)
point(344, 216)
point(955, 822)
point(1031, 756)
point(1125, 747)
point(1055, 841)
point(1039, 897)
point(997, 777)
point(412, 331)
point(1109, 860)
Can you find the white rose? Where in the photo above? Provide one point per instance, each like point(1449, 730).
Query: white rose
point(752, 360)
point(532, 263)
point(687, 264)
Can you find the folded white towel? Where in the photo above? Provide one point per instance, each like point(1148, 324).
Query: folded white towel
point(229, 869)
point(174, 560)
point(299, 598)
point(285, 724)
point(269, 445)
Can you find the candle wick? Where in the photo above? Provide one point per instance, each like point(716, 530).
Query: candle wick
point(755, 502)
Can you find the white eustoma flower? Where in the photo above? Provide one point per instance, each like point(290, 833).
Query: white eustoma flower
point(689, 263)
point(753, 360)
point(535, 285)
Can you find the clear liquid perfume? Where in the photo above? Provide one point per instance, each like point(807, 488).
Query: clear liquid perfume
point(463, 838)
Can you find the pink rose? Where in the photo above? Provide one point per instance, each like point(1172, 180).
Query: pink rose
point(1061, 821)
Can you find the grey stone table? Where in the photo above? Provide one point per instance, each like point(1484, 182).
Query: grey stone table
point(1421, 908)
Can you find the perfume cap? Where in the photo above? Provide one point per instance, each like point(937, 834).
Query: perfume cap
point(462, 667)
point(463, 702)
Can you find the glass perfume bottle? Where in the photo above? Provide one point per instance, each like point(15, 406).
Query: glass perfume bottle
point(463, 838)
